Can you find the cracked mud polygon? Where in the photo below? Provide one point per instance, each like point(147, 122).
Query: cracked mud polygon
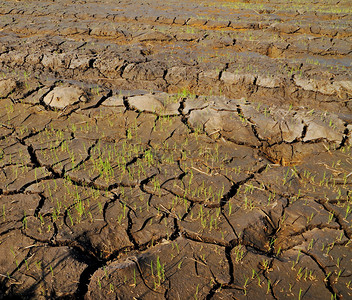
point(175, 150)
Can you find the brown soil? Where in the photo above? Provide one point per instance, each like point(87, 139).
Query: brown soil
point(177, 150)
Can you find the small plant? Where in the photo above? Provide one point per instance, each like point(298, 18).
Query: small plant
point(300, 294)
point(268, 287)
point(196, 293)
point(134, 278)
point(245, 285)
point(294, 263)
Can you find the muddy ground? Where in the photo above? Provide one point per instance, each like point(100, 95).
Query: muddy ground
point(177, 150)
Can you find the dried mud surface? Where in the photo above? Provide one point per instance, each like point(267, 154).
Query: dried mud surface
point(193, 150)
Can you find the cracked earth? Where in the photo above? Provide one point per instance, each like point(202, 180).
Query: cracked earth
point(197, 150)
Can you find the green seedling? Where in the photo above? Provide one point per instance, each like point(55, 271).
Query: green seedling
point(245, 285)
point(24, 221)
point(160, 270)
point(294, 263)
point(134, 278)
point(327, 276)
point(268, 287)
point(300, 294)
point(4, 212)
point(311, 243)
point(196, 293)
point(255, 274)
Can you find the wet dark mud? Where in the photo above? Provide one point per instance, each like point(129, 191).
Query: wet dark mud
point(177, 150)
